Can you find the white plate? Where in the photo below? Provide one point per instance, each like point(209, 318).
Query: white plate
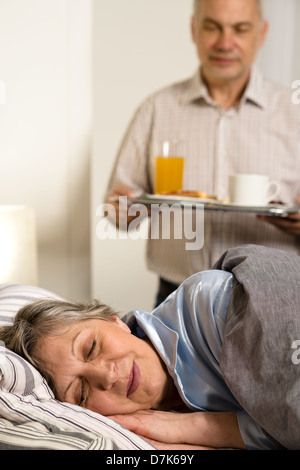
point(167, 197)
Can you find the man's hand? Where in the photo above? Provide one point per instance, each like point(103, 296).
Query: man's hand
point(121, 211)
point(289, 224)
point(122, 190)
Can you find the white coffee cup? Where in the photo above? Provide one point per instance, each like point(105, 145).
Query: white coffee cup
point(252, 190)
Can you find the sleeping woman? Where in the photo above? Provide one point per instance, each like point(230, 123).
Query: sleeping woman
point(217, 353)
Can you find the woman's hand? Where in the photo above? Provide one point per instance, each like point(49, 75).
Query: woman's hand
point(169, 430)
point(166, 446)
point(161, 426)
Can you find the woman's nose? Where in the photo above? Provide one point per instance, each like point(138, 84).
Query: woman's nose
point(103, 374)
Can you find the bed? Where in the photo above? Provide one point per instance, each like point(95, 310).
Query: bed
point(30, 416)
point(262, 324)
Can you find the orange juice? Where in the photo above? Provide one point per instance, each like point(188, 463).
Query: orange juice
point(168, 174)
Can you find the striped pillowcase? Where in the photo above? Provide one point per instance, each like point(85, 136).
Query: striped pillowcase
point(18, 376)
point(25, 397)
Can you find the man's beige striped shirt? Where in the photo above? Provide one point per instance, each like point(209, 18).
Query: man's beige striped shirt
point(260, 135)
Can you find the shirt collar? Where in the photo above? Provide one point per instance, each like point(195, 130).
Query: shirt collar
point(255, 89)
point(254, 92)
point(196, 89)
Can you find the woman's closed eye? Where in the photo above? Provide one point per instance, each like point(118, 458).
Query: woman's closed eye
point(91, 350)
point(82, 400)
point(88, 356)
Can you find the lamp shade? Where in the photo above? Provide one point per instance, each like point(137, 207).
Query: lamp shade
point(18, 245)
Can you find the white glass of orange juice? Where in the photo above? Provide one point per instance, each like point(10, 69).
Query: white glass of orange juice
point(169, 166)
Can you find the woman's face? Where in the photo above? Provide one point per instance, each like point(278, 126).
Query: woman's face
point(100, 365)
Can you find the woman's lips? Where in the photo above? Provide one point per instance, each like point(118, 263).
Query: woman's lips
point(134, 379)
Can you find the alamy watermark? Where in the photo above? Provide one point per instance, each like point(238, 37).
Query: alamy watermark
point(154, 221)
point(296, 354)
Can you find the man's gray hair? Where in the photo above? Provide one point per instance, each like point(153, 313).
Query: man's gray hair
point(259, 2)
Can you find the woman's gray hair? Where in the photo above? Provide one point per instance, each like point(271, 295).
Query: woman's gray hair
point(46, 317)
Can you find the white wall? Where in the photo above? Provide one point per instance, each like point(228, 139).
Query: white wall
point(139, 46)
point(279, 59)
point(45, 61)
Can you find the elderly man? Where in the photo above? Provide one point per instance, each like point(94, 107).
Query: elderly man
point(235, 121)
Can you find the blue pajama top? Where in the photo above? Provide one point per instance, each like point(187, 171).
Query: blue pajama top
point(187, 330)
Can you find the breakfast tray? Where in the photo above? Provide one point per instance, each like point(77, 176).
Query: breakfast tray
point(214, 205)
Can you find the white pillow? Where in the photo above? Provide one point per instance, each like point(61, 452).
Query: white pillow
point(18, 376)
point(26, 397)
